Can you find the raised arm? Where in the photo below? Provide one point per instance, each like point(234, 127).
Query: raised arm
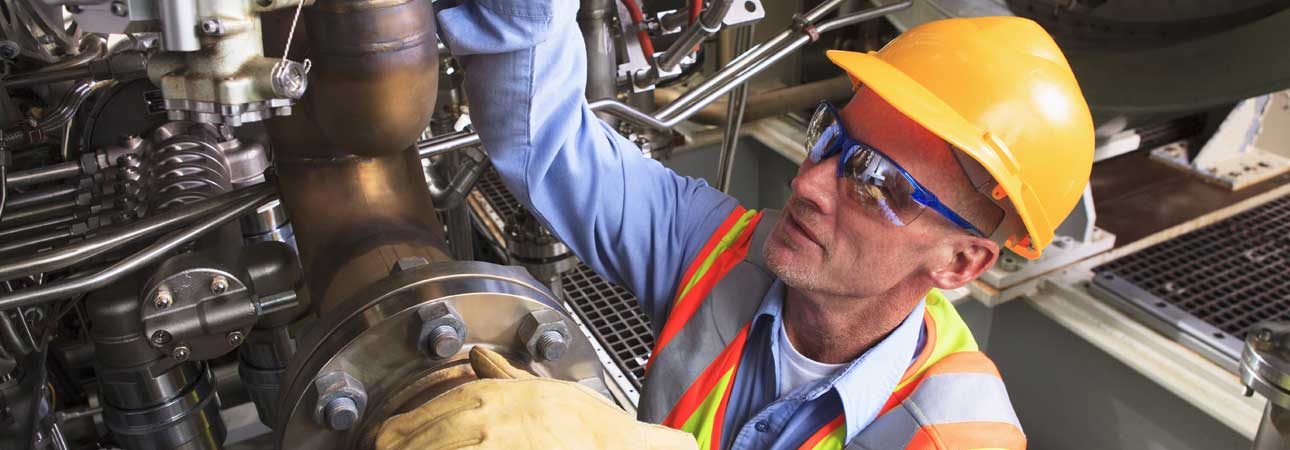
point(628, 217)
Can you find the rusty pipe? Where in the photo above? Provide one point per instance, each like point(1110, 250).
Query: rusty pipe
point(765, 104)
point(346, 159)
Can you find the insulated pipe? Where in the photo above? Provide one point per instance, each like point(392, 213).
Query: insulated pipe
point(346, 159)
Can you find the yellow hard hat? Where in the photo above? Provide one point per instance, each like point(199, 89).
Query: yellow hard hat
point(999, 90)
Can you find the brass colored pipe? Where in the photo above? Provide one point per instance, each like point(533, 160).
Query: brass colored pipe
point(346, 159)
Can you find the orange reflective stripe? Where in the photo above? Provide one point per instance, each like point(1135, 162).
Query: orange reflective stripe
point(968, 435)
point(963, 362)
point(719, 255)
point(700, 391)
point(823, 435)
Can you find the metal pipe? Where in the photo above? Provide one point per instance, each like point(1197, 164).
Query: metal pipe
point(352, 142)
point(747, 65)
point(38, 212)
point(708, 24)
point(42, 196)
point(734, 117)
point(448, 194)
point(106, 241)
point(765, 104)
point(9, 233)
point(51, 172)
point(602, 66)
point(34, 242)
point(70, 287)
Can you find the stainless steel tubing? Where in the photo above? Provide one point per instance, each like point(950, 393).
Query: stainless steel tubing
point(51, 172)
point(738, 71)
point(602, 65)
point(708, 24)
point(46, 77)
point(34, 242)
point(39, 212)
point(42, 196)
point(257, 196)
point(734, 117)
point(107, 241)
point(10, 233)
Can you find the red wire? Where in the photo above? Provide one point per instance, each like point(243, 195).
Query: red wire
point(638, 18)
point(696, 7)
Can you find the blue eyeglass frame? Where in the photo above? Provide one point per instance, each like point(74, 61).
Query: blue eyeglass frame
point(850, 146)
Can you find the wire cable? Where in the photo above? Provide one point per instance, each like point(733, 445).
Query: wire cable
point(638, 18)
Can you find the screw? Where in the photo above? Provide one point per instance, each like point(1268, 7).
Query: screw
point(1264, 335)
point(341, 413)
point(444, 341)
point(161, 337)
point(162, 300)
point(180, 353)
point(219, 284)
point(235, 339)
point(119, 8)
point(9, 50)
point(213, 27)
point(551, 345)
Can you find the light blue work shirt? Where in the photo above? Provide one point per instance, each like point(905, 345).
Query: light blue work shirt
point(632, 220)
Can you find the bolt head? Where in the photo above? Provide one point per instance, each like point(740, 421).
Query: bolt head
point(161, 337)
point(219, 284)
point(212, 27)
point(162, 299)
point(180, 353)
point(120, 9)
point(235, 339)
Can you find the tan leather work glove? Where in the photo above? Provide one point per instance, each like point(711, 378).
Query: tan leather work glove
point(509, 408)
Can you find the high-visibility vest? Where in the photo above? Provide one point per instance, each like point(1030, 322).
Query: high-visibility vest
point(710, 368)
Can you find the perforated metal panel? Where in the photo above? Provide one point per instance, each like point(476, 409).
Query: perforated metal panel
point(1211, 284)
point(615, 318)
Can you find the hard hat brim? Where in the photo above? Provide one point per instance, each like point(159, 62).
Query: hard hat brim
point(925, 108)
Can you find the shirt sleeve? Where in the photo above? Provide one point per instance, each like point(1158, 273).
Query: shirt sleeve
point(632, 220)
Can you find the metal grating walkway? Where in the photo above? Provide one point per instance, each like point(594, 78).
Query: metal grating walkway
point(610, 312)
point(1211, 284)
point(615, 318)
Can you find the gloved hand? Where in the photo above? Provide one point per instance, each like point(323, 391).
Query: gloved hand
point(509, 408)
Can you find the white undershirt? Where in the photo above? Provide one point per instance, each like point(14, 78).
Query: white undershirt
point(796, 369)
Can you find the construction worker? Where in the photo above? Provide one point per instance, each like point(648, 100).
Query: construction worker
point(818, 327)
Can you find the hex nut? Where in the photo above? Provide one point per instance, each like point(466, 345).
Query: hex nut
point(537, 324)
point(331, 387)
point(433, 341)
point(409, 263)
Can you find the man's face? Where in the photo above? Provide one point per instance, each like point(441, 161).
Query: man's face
point(826, 242)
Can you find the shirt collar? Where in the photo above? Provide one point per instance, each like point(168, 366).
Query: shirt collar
point(867, 382)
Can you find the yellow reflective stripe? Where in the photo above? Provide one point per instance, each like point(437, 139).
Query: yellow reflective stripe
point(700, 422)
point(952, 335)
point(833, 441)
point(721, 247)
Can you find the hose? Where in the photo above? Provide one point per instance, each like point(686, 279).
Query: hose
point(638, 18)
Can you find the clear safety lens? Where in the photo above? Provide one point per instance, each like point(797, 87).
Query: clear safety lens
point(877, 183)
point(821, 134)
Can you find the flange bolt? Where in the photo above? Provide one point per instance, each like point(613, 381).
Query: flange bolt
point(551, 345)
point(341, 413)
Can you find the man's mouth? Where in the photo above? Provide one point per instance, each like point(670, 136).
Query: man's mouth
point(795, 226)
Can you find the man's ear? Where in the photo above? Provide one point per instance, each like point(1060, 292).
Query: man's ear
point(971, 256)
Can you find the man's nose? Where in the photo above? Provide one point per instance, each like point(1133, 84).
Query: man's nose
point(817, 184)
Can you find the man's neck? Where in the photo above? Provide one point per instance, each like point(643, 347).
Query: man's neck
point(840, 329)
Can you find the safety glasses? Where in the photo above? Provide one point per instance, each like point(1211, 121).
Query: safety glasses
point(876, 182)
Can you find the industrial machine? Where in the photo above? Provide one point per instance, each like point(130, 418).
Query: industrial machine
point(269, 224)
